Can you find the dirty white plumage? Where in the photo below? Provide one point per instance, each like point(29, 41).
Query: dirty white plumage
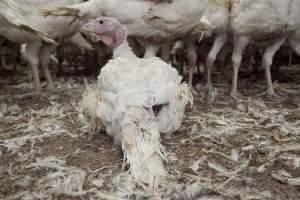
point(136, 100)
point(127, 91)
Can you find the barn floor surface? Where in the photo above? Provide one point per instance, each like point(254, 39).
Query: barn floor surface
point(231, 149)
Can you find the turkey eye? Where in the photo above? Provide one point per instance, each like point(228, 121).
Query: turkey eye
point(100, 22)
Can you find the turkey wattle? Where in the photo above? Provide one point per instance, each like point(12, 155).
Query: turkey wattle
point(136, 99)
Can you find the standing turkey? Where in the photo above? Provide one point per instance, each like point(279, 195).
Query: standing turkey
point(12, 21)
point(135, 99)
point(267, 23)
point(154, 21)
point(21, 22)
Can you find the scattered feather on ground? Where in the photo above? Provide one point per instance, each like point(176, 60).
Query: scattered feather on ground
point(245, 149)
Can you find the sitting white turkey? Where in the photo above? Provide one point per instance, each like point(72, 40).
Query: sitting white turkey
point(136, 99)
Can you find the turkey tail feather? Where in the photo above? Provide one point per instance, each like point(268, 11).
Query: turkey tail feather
point(142, 149)
point(44, 36)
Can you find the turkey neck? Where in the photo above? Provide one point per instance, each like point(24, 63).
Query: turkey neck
point(123, 50)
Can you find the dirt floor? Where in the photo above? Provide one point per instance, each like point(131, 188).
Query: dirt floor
point(230, 149)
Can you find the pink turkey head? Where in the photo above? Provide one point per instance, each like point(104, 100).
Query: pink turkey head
point(106, 29)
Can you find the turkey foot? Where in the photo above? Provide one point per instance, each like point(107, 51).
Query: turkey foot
point(193, 90)
point(51, 88)
point(211, 94)
point(237, 95)
point(271, 94)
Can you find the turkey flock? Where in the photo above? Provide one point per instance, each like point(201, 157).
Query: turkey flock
point(137, 92)
point(159, 26)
